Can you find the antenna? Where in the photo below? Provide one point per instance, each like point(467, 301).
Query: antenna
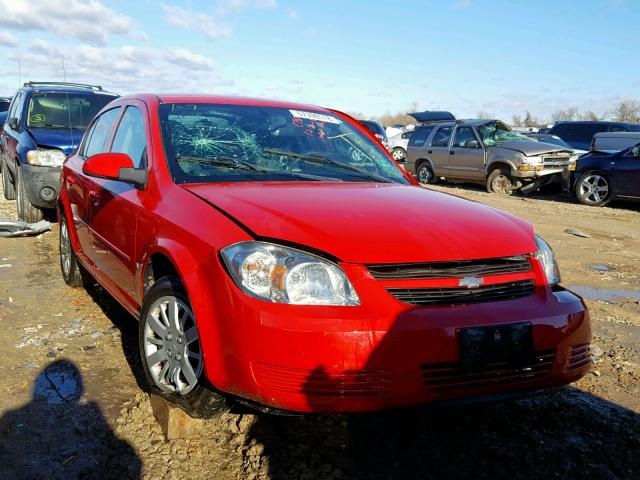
point(66, 91)
point(19, 73)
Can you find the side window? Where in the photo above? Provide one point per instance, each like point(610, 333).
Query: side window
point(562, 131)
point(419, 136)
point(462, 136)
point(408, 134)
point(441, 137)
point(616, 128)
point(584, 133)
point(131, 137)
point(17, 100)
point(100, 131)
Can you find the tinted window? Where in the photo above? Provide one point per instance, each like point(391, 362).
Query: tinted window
point(634, 128)
point(441, 137)
point(616, 128)
point(373, 127)
point(585, 132)
point(4, 106)
point(463, 135)
point(562, 131)
point(100, 132)
point(407, 134)
point(419, 136)
point(131, 136)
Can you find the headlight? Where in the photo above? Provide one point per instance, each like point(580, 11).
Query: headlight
point(548, 259)
point(46, 158)
point(286, 275)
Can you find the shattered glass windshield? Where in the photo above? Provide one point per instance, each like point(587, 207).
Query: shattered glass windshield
point(494, 133)
point(64, 110)
point(239, 143)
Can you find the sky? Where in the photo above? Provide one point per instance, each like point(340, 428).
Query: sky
point(365, 56)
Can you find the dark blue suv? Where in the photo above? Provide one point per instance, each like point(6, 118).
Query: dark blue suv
point(45, 123)
point(580, 133)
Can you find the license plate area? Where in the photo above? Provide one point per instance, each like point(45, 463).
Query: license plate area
point(509, 346)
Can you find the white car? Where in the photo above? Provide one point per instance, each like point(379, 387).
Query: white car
point(398, 145)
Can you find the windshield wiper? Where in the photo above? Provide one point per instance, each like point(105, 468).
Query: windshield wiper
point(222, 162)
point(321, 159)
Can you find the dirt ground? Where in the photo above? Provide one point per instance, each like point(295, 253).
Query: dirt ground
point(71, 404)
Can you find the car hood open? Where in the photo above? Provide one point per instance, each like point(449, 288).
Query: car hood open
point(531, 148)
point(371, 222)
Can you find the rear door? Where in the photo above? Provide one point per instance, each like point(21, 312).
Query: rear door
point(117, 204)
point(626, 174)
point(466, 161)
point(82, 190)
point(438, 151)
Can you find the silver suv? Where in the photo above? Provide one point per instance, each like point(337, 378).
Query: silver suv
point(487, 152)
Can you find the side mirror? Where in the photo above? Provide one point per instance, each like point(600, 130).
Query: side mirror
point(472, 144)
point(13, 123)
point(115, 166)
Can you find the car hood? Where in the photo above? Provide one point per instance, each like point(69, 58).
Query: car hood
point(531, 148)
point(371, 222)
point(62, 138)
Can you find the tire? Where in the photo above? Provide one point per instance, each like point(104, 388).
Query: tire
point(172, 359)
point(26, 210)
point(398, 154)
point(593, 188)
point(424, 173)
point(73, 273)
point(499, 181)
point(8, 188)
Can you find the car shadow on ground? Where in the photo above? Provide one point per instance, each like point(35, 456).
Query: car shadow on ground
point(125, 323)
point(565, 434)
point(59, 435)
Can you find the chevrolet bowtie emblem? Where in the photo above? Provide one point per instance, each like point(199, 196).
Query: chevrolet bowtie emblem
point(471, 282)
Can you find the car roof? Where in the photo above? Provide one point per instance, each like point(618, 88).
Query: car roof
point(225, 99)
point(60, 87)
point(590, 122)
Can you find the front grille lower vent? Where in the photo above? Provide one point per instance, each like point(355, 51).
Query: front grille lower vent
point(450, 376)
point(461, 296)
point(461, 268)
point(579, 356)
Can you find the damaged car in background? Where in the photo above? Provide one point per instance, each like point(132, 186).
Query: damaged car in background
point(483, 151)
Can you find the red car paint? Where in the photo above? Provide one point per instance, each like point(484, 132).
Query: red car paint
point(382, 354)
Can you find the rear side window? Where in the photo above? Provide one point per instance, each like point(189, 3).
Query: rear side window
point(616, 128)
point(100, 131)
point(585, 132)
point(441, 137)
point(563, 131)
point(419, 136)
point(131, 137)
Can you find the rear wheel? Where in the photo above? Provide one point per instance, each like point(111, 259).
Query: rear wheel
point(499, 181)
point(8, 188)
point(593, 189)
point(171, 352)
point(425, 173)
point(26, 210)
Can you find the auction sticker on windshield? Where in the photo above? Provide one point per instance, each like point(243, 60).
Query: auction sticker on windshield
point(318, 117)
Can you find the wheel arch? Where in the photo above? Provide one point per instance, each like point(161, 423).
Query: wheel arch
point(499, 163)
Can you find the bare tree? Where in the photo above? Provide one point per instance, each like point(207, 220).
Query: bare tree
point(516, 120)
point(484, 115)
point(590, 115)
point(530, 120)
point(628, 111)
point(567, 115)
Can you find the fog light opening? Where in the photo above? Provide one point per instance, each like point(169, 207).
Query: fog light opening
point(47, 193)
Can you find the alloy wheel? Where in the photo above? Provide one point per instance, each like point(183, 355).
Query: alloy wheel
point(424, 175)
point(397, 154)
point(172, 346)
point(65, 249)
point(593, 189)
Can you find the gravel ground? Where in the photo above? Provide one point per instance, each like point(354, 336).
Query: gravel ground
point(71, 403)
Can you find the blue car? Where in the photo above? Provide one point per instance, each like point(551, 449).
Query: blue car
point(601, 178)
point(45, 123)
point(579, 134)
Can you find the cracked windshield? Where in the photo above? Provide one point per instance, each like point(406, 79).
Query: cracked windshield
point(493, 133)
point(239, 143)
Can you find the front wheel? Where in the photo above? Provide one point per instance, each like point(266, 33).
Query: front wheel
point(26, 210)
point(8, 188)
point(499, 181)
point(170, 348)
point(593, 189)
point(398, 154)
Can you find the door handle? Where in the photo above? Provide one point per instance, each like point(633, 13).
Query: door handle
point(452, 152)
point(429, 152)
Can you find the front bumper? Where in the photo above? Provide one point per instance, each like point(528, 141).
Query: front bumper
point(538, 174)
point(38, 180)
point(387, 354)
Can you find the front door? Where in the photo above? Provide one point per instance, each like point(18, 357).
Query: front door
point(117, 205)
point(466, 155)
point(626, 173)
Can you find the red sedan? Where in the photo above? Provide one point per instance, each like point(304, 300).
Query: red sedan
point(275, 254)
